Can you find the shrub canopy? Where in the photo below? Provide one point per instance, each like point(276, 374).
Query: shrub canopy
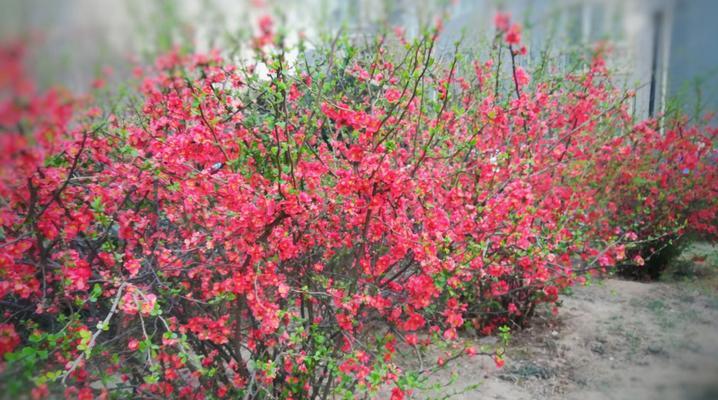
point(224, 233)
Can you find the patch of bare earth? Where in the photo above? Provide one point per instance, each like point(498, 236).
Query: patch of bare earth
point(614, 339)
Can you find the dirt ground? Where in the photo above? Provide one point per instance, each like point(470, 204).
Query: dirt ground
point(613, 339)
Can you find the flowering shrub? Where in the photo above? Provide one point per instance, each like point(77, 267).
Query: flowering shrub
point(221, 233)
point(661, 191)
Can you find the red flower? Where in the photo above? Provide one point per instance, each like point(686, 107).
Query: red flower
point(421, 290)
point(502, 21)
point(392, 95)
point(9, 339)
point(397, 394)
point(551, 293)
point(265, 24)
point(207, 329)
point(132, 266)
point(513, 35)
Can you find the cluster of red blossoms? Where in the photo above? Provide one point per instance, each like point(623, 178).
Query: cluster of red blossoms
point(221, 234)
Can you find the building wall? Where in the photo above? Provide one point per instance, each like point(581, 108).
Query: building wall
point(679, 53)
point(693, 65)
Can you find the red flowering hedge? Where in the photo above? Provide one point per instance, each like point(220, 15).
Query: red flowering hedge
point(223, 234)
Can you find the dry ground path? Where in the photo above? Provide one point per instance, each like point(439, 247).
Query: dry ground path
point(614, 339)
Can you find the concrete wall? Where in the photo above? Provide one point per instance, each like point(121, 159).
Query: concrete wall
point(79, 36)
point(693, 65)
point(75, 38)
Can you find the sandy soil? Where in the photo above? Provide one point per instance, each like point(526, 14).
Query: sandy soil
point(614, 339)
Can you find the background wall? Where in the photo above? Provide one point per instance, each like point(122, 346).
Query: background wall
point(677, 54)
point(693, 66)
